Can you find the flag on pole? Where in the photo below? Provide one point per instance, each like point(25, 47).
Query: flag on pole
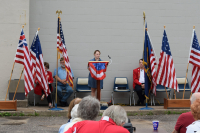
point(149, 63)
point(61, 47)
point(38, 66)
point(98, 69)
point(166, 74)
point(195, 61)
point(23, 57)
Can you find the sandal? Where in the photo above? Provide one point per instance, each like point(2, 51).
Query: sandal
point(42, 98)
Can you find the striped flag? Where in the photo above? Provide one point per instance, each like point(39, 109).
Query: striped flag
point(195, 61)
point(61, 47)
point(166, 74)
point(23, 57)
point(38, 66)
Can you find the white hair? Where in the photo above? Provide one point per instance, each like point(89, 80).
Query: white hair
point(117, 114)
point(194, 97)
point(74, 111)
point(88, 108)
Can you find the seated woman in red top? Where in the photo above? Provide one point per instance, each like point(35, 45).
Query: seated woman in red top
point(38, 88)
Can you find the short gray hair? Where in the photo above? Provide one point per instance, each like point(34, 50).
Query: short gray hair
point(88, 108)
point(194, 97)
point(117, 114)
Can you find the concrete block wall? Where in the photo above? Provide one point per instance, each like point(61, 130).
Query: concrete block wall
point(115, 27)
point(13, 14)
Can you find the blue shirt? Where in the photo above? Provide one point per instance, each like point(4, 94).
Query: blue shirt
point(62, 73)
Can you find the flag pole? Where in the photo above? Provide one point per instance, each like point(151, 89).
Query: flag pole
point(11, 75)
point(59, 12)
point(185, 81)
point(18, 84)
point(165, 87)
point(10, 80)
point(144, 16)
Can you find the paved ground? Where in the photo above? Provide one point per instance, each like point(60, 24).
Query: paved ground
point(40, 124)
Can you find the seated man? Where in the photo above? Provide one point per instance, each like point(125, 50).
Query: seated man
point(185, 119)
point(138, 82)
point(62, 84)
point(114, 117)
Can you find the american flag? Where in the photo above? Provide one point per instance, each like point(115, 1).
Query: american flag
point(166, 74)
point(61, 47)
point(38, 66)
point(195, 61)
point(153, 63)
point(23, 57)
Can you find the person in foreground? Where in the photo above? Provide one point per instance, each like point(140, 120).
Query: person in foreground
point(114, 117)
point(88, 109)
point(139, 82)
point(72, 112)
point(62, 83)
point(39, 89)
point(195, 109)
point(185, 119)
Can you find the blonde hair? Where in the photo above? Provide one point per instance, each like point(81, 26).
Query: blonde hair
point(195, 109)
point(71, 105)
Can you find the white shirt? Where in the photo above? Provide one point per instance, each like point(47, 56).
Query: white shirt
point(141, 80)
point(195, 126)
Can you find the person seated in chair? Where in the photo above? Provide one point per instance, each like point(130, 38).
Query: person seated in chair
point(139, 82)
point(62, 83)
point(39, 89)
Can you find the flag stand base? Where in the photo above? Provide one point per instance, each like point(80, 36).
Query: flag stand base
point(56, 109)
point(146, 108)
point(8, 105)
point(176, 103)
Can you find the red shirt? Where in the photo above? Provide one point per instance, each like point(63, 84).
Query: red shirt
point(184, 120)
point(105, 125)
point(38, 89)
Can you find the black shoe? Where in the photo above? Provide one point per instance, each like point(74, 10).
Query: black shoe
point(66, 104)
point(62, 104)
point(138, 103)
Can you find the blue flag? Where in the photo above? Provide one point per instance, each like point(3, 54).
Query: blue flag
point(147, 64)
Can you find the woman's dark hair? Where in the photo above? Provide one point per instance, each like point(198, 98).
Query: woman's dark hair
point(46, 64)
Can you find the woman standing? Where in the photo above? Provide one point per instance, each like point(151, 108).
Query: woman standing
point(92, 83)
point(38, 88)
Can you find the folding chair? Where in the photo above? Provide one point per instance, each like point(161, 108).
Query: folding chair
point(120, 85)
point(82, 85)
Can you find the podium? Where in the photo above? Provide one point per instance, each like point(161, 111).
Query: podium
point(97, 70)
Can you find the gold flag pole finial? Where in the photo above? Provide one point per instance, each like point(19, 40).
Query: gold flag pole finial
point(164, 26)
point(59, 12)
point(144, 14)
point(194, 27)
point(38, 29)
point(22, 26)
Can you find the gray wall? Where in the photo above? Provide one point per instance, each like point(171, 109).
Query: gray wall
point(13, 14)
point(115, 27)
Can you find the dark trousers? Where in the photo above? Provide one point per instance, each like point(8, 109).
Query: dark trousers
point(49, 96)
point(140, 94)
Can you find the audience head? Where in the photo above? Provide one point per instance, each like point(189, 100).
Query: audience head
point(117, 114)
point(141, 63)
point(71, 105)
point(88, 108)
point(74, 111)
point(194, 97)
point(195, 109)
point(97, 54)
point(46, 66)
point(62, 62)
